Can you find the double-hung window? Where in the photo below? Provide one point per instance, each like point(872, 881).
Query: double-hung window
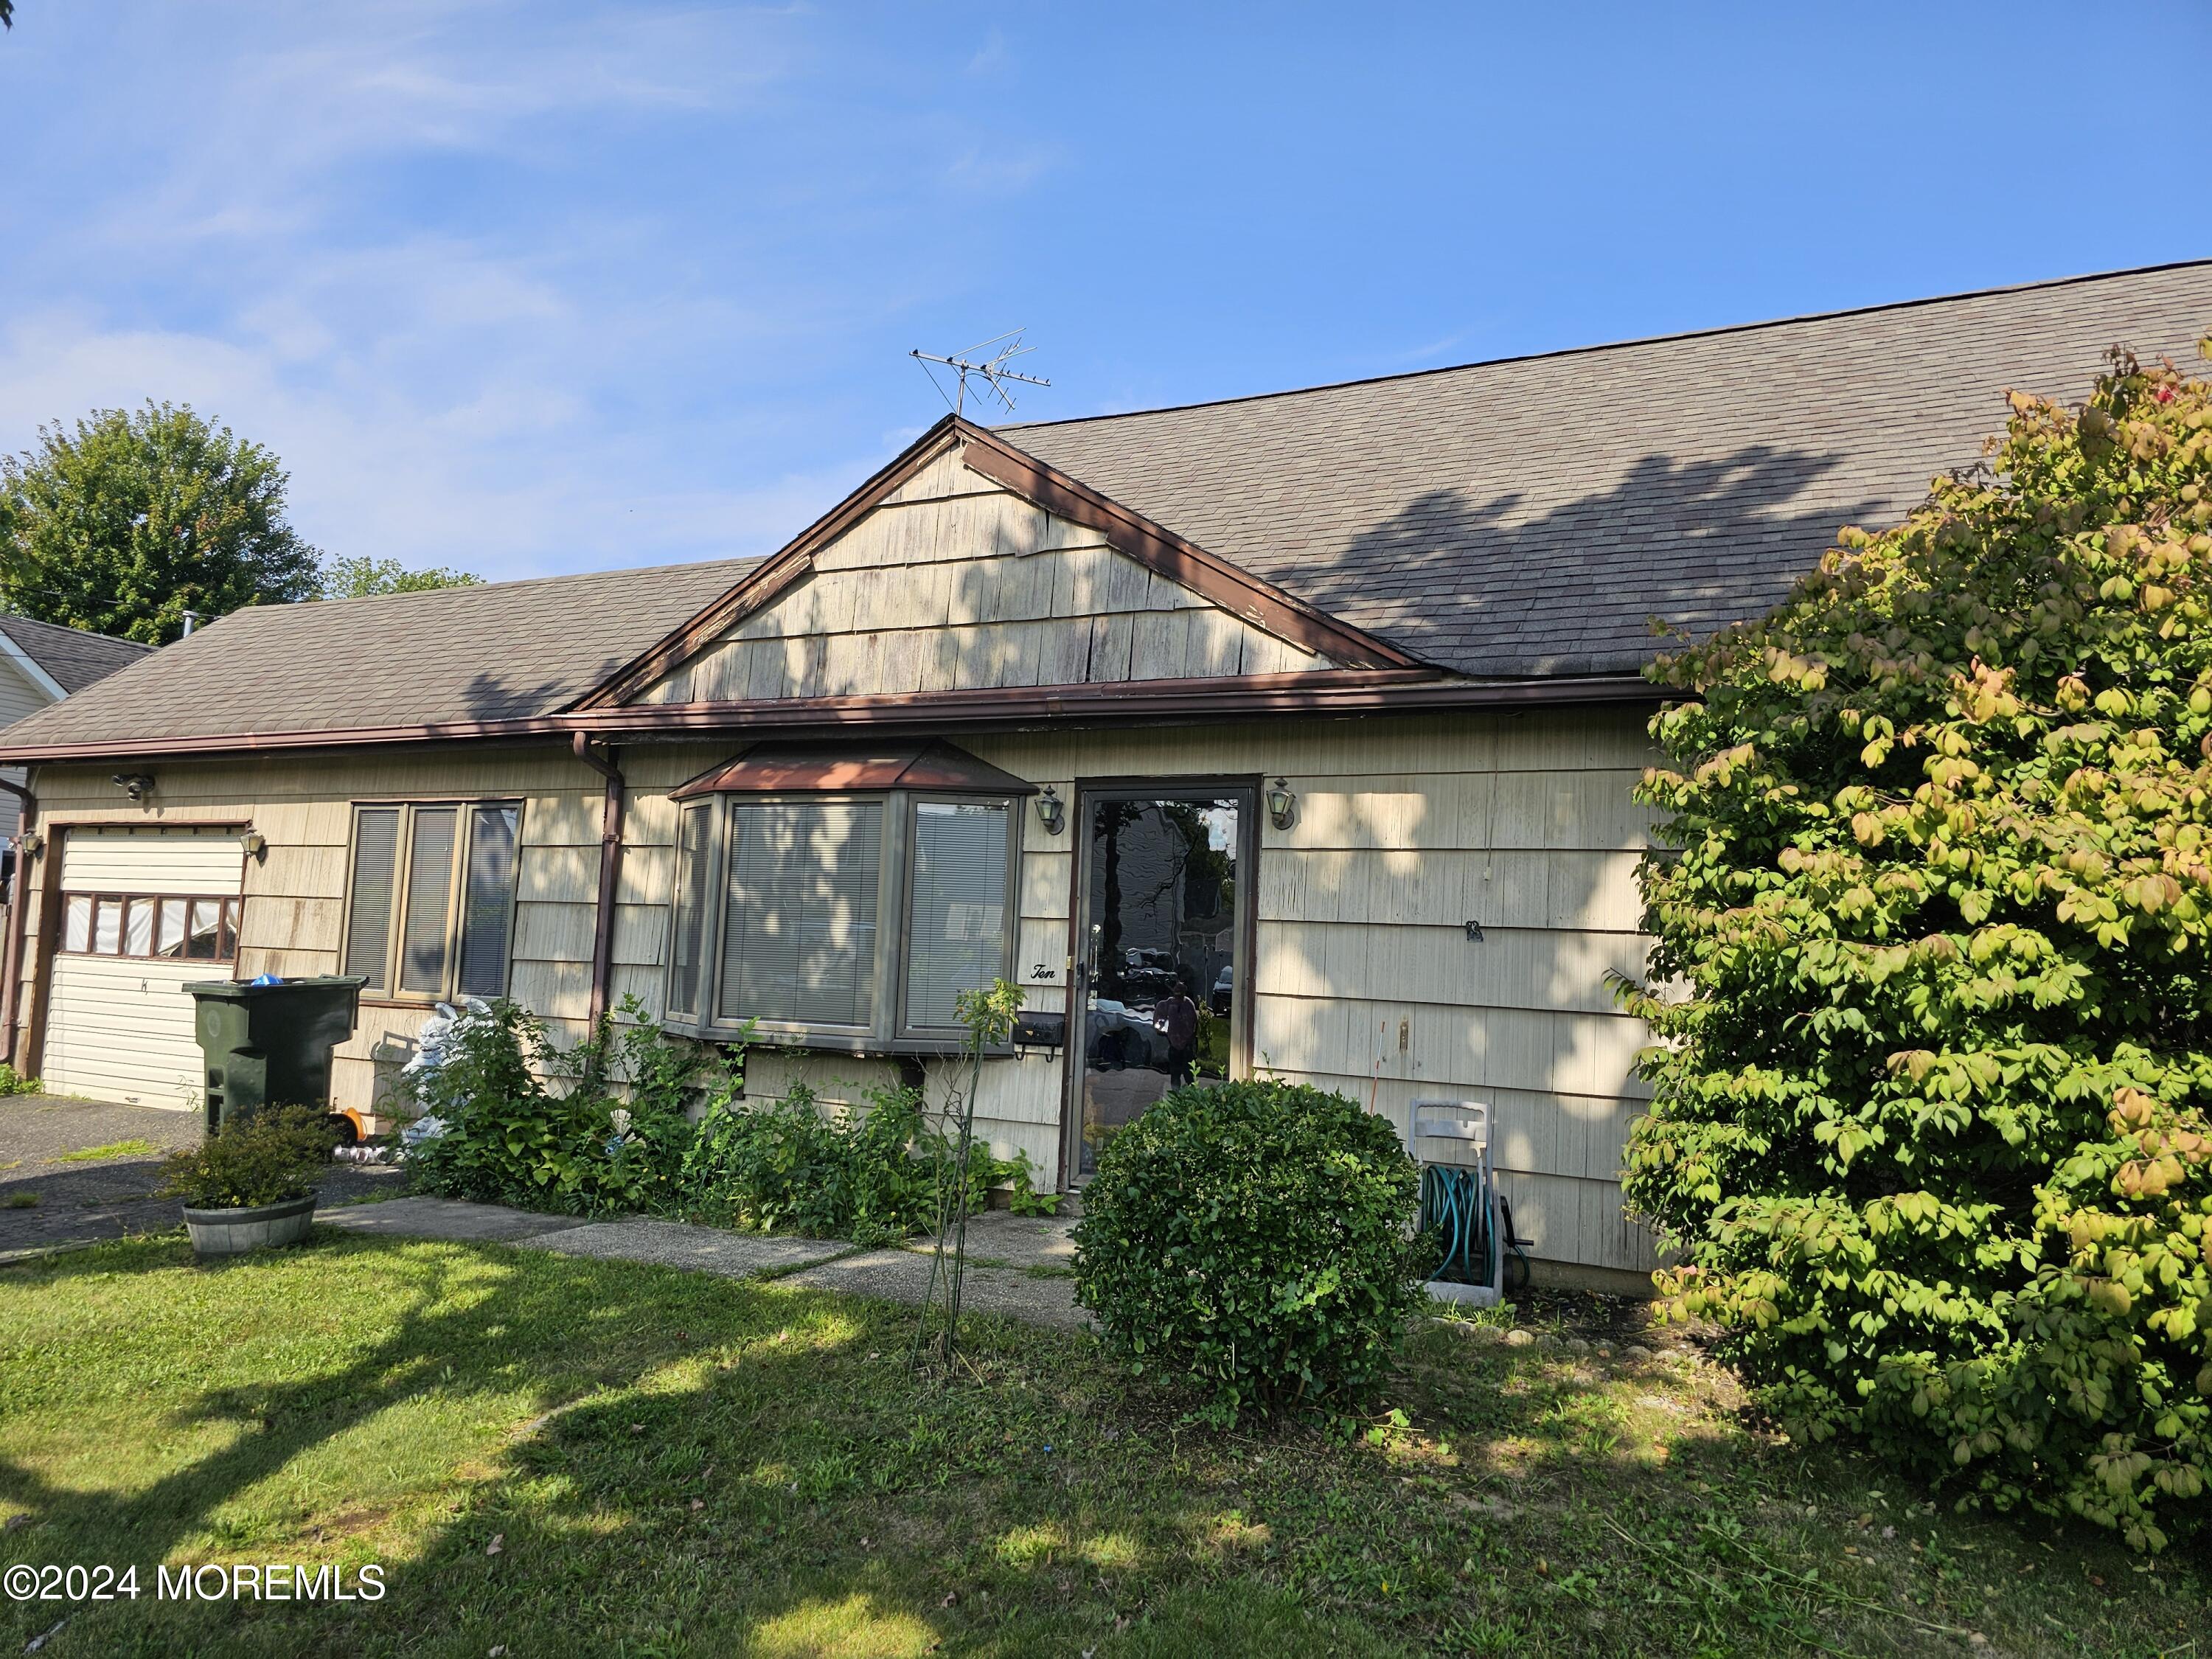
point(832, 912)
point(430, 904)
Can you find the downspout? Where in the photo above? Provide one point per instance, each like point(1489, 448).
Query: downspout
point(11, 970)
point(610, 837)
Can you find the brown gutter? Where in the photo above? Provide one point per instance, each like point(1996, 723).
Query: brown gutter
point(1339, 692)
point(11, 970)
point(610, 837)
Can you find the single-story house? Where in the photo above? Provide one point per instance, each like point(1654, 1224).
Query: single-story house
point(41, 663)
point(1292, 734)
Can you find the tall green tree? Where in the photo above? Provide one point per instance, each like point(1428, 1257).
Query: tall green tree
point(130, 518)
point(1931, 1126)
point(360, 578)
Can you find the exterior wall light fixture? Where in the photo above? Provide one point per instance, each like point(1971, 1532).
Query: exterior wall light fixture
point(255, 843)
point(1282, 803)
point(31, 843)
point(136, 785)
point(1051, 813)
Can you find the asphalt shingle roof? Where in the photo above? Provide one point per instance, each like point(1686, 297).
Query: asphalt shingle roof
point(1528, 517)
point(74, 657)
point(1518, 518)
point(504, 651)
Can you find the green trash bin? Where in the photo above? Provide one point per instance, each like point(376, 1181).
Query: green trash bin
point(269, 1045)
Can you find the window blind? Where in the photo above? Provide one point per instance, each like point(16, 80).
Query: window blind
point(956, 940)
point(799, 924)
point(375, 863)
point(423, 940)
point(487, 901)
point(690, 908)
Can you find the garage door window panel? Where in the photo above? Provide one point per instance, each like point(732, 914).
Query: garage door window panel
point(170, 916)
point(150, 927)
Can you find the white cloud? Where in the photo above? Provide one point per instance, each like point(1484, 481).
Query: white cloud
point(510, 288)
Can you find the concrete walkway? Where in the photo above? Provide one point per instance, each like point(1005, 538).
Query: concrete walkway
point(1017, 1265)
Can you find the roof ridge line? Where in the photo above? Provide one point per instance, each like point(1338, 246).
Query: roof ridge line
point(1617, 345)
point(512, 582)
point(7, 617)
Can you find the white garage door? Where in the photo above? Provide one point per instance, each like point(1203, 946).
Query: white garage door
point(145, 913)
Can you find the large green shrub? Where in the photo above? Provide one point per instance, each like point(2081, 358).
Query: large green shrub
point(593, 1129)
point(1252, 1238)
point(1928, 1126)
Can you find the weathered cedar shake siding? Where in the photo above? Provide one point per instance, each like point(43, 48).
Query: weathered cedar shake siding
point(953, 584)
point(1406, 828)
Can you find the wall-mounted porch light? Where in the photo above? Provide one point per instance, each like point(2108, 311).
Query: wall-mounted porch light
point(1049, 810)
point(1282, 803)
point(255, 843)
point(136, 785)
point(30, 843)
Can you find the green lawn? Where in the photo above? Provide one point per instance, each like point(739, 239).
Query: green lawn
point(743, 1469)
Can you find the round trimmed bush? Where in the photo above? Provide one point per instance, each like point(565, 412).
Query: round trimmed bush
point(1252, 1238)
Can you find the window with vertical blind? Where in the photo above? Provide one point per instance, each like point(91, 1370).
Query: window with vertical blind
point(847, 918)
point(430, 899)
point(956, 925)
point(694, 864)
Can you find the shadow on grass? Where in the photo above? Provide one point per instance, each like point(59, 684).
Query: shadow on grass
point(558, 1455)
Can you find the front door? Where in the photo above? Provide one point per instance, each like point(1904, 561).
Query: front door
point(1162, 901)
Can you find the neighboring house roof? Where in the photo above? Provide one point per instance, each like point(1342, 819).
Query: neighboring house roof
point(66, 660)
point(455, 656)
point(1529, 516)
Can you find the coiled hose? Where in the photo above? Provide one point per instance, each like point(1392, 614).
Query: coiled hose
point(1455, 1220)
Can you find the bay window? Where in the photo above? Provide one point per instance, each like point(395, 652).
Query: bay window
point(835, 914)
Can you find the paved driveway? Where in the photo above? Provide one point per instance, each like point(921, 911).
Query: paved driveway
point(78, 1198)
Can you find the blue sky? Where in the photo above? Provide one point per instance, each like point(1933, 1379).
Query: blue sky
point(531, 288)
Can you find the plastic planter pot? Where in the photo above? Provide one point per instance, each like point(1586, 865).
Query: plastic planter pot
point(263, 1227)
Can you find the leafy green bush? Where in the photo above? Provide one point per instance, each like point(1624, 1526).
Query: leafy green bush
point(1252, 1238)
point(589, 1130)
point(871, 1176)
point(1929, 1126)
point(12, 1082)
point(274, 1155)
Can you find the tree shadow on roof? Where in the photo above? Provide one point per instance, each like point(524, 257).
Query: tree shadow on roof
point(1697, 542)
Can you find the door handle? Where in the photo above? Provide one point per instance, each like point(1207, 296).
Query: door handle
point(1091, 962)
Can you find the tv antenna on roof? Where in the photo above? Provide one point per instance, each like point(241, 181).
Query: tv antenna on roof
point(991, 370)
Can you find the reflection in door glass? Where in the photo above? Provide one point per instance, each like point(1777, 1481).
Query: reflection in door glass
point(1160, 969)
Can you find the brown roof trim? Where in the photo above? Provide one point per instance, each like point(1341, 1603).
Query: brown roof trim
point(1235, 591)
point(774, 574)
point(928, 765)
point(1322, 692)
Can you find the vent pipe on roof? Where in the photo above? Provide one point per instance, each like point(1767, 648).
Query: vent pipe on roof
point(192, 620)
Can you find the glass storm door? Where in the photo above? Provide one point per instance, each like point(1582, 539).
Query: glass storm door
point(1160, 994)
